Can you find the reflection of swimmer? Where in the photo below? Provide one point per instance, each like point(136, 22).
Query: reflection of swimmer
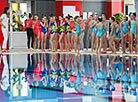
point(5, 75)
point(60, 82)
point(79, 75)
point(133, 91)
point(61, 77)
point(53, 75)
point(114, 72)
point(102, 86)
point(68, 68)
point(133, 80)
point(62, 69)
point(82, 63)
point(4, 81)
point(124, 75)
point(100, 75)
point(30, 69)
point(87, 66)
point(94, 68)
point(37, 70)
point(44, 76)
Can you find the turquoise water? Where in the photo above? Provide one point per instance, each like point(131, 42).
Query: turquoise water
point(68, 78)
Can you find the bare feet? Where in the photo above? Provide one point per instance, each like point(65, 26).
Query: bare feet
point(96, 51)
point(91, 51)
point(43, 50)
point(113, 53)
point(124, 52)
point(49, 49)
point(78, 53)
point(131, 52)
point(67, 50)
point(53, 50)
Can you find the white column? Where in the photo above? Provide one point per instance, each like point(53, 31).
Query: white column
point(29, 6)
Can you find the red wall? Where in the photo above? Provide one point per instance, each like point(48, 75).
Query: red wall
point(109, 10)
point(117, 6)
point(3, 4)
point(60, 4)
point(114, 7)
point(59, 8)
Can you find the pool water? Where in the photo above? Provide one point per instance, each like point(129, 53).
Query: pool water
point(68, 78)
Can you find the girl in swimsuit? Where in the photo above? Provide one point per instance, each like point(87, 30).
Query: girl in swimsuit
point(68, 33)
point(118, 36)
point(89, 31)
point(129, 21)
point(82, 24)
point(105, 34)
point(53, 30)
point(99, 37)
point(37, 32)
point(56, 34)
point(136, 30)
point(94, 31)
point(124, 31)
point(72, 26)
point(61, 31)
point(112, 35)
point(137, 36)
point(77, 33)
point(44, 29)
point(132, 34)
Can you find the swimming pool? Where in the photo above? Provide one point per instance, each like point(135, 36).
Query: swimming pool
point(68, 78)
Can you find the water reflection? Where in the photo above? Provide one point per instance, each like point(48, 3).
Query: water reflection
point(60, 75)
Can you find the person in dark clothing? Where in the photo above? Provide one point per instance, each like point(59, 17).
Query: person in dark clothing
point(29, 29)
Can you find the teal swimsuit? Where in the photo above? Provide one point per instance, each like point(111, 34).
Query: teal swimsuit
point(114, 30)
point(133, 27)
point(124, 27)
point(94, 30)
point(105, 30)
point(78, 29)
point(101, 32)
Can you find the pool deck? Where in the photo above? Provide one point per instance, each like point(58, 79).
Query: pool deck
point(88, 52)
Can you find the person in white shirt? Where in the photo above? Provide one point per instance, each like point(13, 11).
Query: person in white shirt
point(4, 22)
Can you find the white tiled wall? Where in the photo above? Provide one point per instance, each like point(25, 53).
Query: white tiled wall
point(70, 10)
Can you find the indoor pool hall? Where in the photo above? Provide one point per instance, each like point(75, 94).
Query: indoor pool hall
point(42, 77)
point(68, 50)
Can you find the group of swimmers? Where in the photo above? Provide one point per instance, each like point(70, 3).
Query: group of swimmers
point(65, 27)
point(73, 31)
point(74, 28)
